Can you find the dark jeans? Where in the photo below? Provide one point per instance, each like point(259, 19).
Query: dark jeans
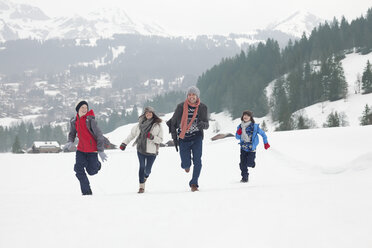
point(246, 160)
point(194, 146)
point(146, 162)
point(86, 161)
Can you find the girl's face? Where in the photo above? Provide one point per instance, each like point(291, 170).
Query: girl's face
point(148, 115)
point(246, 118)
point(83, 110)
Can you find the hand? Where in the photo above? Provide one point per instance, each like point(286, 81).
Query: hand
point(123, 146)
point(68, 146)
point(175, 142)
point(200, 125)
point(239, 132)
point(103, 156)
point(150, 136)
point(267, 146)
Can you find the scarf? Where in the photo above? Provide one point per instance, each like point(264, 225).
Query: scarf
point(245, 136)
point(184, 125)
point(141, 141)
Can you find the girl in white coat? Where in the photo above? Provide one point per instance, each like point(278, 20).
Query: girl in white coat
point(149, 134)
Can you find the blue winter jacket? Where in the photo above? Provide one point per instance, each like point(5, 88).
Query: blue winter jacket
point(255, 140)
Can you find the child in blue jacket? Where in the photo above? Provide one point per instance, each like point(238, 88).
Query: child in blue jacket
point(246, 133)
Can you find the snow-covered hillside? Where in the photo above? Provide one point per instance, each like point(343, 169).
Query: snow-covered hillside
point(353, 106)
point(302, 193)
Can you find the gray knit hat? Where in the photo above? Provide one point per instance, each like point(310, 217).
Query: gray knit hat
point(149, 109)
point(193, 90)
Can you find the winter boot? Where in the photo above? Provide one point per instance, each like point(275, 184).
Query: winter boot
point(141, 188)
point(187, 170)
point(244, 180)
point(194, 188)
point(89, 192)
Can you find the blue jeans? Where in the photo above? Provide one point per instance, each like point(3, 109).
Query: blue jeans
point(86, 161)
point(146, 162)
point(194, 146)
point(246, 160)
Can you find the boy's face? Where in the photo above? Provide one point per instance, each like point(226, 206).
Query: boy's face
point(246, 118)
point(83, 110)
point(192, 98)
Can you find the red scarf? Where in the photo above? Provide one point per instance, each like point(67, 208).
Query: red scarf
point(184, 126)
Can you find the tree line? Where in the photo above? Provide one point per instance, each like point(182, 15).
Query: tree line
point(306, 71)
point(24, 135)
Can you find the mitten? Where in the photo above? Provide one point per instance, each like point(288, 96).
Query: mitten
point(175, 142)
point(200, 125)
point(68, 146)
point(267, 146)
point(123, 146)
point(103, 156)
point(150, 136)
point(239, 132)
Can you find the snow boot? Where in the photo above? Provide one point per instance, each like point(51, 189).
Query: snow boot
point(89, 192)
point(141, 188)
point(244, 180)
point(194, 188)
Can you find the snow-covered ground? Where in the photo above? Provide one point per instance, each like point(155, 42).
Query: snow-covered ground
point(312, 188)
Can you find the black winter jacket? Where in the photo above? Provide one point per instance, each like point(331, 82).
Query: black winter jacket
point(175, 121)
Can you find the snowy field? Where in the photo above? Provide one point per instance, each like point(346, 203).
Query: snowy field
point(312, 188)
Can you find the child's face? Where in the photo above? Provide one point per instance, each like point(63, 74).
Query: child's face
point(246, 118)
point(83, 110)
point(148, 115)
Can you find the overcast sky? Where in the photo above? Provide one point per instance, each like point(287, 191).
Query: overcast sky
point(189, 17)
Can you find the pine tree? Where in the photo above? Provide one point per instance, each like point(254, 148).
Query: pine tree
point(334, 80)
point(301, 124)
point(333, 120)
point(16, 148)
point(358, 84)
point(366, 116)
point(367, 79)
point(264, 126)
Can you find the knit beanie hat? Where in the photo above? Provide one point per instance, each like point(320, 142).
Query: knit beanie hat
point(81, 103)
point(193, 90)
point(149, 109)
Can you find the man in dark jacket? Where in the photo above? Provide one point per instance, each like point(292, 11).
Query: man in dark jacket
point(186, 126)
point(91, 141)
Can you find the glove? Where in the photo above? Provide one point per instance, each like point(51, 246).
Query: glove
point(175, 142)
point(200, 125)
point(103, 156)
point(267, 146)
point(68, 146)
point(150, 136)
point(239, 132)
point(123, 146)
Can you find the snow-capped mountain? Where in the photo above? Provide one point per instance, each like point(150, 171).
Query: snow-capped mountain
point(297, 24)
point(19, 21)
